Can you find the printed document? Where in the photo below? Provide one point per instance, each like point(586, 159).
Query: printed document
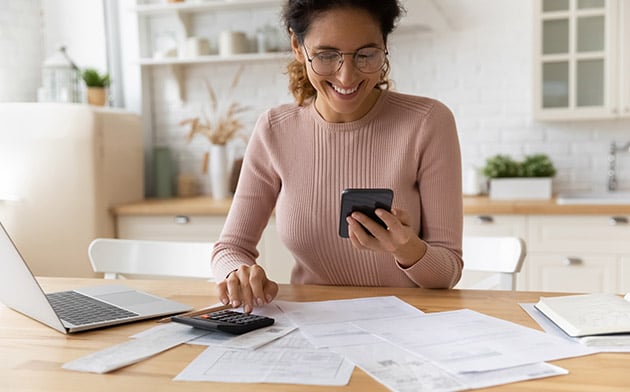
point(330, 323)
point(468, 341)
point(154, 341)
point(290, 360)
point(399, 370)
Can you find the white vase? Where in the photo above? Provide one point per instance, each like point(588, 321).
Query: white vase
point(219, 176)
point(538, 188)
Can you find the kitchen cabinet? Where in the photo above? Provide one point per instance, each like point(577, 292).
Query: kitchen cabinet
point(62, 167)
point(581, 59)
point(577, 253)
point(274, 257)
point(574, 253)
point(170, 227)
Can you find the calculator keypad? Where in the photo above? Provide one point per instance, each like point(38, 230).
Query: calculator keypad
point(227, 320)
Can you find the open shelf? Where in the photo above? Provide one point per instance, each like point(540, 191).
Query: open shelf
point(195, 6)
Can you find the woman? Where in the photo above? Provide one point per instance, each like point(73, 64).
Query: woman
point(346, 130)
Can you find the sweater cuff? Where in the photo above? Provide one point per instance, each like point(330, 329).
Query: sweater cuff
point(434, 265)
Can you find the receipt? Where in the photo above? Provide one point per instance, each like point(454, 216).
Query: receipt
point(155, 341)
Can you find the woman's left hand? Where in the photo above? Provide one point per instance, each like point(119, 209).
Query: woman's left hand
point(398, 238)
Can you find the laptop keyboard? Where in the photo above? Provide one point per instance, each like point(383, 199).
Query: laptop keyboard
point(80, 309)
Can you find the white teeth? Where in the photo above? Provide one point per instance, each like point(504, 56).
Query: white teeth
point(344, 91)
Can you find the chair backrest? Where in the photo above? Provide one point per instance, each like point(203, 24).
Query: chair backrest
point(123, 258)
point(502, 256)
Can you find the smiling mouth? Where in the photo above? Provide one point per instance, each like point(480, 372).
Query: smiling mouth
point(344, 91)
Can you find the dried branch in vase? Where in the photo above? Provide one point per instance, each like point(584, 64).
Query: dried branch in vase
point(219, 126)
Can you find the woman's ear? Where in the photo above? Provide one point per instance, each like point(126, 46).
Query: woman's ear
point(297, 48)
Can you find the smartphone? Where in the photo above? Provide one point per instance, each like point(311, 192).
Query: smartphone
point(365, 200)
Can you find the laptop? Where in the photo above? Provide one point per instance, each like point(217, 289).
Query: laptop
point(75, 310)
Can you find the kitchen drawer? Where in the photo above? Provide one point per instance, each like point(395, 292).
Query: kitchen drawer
point(578, 234)
point(170, 227)
point(495, 225)
point(565, 272)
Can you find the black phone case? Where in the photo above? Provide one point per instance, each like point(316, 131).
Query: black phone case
point(365, 200)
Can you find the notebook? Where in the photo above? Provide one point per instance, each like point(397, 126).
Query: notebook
point(74, 310)
point(587, 314)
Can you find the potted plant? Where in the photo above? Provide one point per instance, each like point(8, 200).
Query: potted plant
point(97, 84)
point(528, 179)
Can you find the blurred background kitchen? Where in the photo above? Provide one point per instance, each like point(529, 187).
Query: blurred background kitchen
point(544, 77)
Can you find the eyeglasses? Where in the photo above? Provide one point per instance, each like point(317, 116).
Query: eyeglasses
point(329, 62)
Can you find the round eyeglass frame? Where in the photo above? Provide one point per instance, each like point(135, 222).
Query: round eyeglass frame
point(341, 59)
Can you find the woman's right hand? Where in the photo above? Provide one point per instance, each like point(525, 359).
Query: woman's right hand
point(247, 286)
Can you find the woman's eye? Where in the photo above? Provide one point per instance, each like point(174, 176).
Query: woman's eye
point(328, 57)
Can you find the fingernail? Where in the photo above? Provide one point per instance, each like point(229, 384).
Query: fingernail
point(236, 303)
point(378, 212)
point(247, 308)
point(259, 302)
point(224, 301)
point(268, 298)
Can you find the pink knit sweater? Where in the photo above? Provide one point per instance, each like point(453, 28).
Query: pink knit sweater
point(299, 164)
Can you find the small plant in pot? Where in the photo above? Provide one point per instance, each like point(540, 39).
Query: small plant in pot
point(528, 179)
point(97, 85)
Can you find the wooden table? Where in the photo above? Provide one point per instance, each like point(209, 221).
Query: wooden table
point(31, 354)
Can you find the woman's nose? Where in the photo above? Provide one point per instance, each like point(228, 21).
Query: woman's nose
point(347, 70)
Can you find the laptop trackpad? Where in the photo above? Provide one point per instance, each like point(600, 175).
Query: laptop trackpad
point(128, 298)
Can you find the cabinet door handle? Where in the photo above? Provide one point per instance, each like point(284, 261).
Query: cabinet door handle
point(618, 220)
point(484, 219)
point(181, 219)
point(568, 261)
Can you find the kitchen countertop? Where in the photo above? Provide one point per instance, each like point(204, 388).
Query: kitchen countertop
point(473, 205)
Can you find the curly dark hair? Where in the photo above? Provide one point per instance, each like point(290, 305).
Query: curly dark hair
point(298, 16)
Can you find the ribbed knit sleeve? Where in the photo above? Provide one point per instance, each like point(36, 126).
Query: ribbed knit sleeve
point(299, 164)
point(440, 188)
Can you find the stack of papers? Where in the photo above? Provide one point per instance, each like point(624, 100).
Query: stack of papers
point(319, 343)
point(392, 341)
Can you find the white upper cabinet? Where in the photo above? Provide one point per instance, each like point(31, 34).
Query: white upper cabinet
point(581, 59)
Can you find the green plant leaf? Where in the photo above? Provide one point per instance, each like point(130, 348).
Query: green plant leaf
point(93, 78)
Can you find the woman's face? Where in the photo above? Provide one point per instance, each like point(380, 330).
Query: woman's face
point(348, 94)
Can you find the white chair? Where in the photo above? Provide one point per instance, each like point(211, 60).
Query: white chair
point(122, 258)
point(500, 256)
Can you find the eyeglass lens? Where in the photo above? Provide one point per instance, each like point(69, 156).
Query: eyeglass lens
point(367, 60)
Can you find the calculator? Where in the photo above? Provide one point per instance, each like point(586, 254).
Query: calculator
point(229, 321)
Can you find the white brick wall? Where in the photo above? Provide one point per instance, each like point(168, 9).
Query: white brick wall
point(484, 73)
point(480, 68)
point(20, 50)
